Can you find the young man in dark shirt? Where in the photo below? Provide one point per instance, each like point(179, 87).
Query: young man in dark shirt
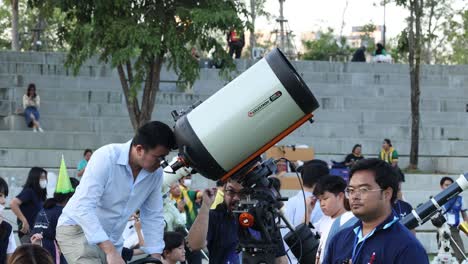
point(377, 237)
point(218, 228)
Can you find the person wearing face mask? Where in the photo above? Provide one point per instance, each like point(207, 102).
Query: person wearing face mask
point(46, 220)
point(29, 202)
point(7, 240)
point(118, 180)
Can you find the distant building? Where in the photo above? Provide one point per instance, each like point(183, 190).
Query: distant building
point(357, 33)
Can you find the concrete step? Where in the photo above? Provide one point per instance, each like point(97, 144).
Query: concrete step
point(39, 157)
point(449, 165)
point(79, 124)
point(347, 101)
point(343, 146)
point(58, 140)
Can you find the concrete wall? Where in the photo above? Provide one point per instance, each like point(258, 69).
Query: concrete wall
point(360, 103)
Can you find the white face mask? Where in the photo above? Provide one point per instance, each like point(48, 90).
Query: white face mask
point(187, 182)
point(2, 207)
point(43, 184)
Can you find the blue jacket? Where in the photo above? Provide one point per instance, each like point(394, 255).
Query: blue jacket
point(389, 243)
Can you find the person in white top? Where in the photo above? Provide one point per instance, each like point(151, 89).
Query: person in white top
point(331, 193)
point(31, 103)
point(312, 171)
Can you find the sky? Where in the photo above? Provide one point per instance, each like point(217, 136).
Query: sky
point(311, 15)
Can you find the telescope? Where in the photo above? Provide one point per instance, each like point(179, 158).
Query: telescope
point(223, 138)
point(424, 212)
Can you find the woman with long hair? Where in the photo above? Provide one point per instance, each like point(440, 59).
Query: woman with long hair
point(46, 220)
point(29, 202)
point(31, 103)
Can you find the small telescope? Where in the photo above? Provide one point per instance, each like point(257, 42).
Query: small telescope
point(424, 212)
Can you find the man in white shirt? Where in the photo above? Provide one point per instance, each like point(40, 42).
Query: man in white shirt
point(119, 179)
point(312, 171)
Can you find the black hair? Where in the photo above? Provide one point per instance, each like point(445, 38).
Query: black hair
point(380, 48)
point(172, 240)
point(31, 86)
point(57, 199)
point(74, 182)
point(3, 187)
point(31, 254)
point(388, 142)
point(312, 171)
point(332, 184)
point(86, 151)
point(33, 182)
point(385, 175)
point(442, 181)
point(153, 134)
point(355, 147)
point(219, 183)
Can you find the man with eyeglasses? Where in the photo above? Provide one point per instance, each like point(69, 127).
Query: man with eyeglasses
point(118, 180)
point(378, 236)
point(218, 229)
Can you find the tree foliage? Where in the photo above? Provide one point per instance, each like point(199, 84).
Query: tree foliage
point(137, 36)
point(42, 20)
point(442, 33)
point(458, 36)
point(326, 47)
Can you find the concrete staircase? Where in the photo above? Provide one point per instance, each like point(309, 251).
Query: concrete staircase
point(360, 103)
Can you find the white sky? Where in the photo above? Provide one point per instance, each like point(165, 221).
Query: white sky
point(311, 15)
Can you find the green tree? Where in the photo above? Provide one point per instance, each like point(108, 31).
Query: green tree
point(325, 47)
point(39, 23)
point(256, 9)
point(367, 38)
point(457, 33)
point(137, 36)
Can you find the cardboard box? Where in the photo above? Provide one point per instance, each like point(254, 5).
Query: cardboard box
point(289, 153)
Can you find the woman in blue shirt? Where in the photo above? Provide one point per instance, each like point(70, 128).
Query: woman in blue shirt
point(29, 202)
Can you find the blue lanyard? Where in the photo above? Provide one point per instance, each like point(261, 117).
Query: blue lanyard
point(356, 247)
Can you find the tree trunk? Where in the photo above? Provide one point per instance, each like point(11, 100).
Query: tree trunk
point(151, 89)
point(14, 26)
point(414, 61)
point(132, 102)
point(252, 30)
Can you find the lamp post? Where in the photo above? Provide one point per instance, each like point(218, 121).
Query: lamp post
point(384, 26)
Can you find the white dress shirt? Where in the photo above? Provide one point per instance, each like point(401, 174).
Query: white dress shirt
point(108, 195)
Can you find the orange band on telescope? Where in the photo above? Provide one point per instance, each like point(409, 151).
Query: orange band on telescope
point(267, 146)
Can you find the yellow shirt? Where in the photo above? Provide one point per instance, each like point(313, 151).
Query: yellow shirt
point(219, 198)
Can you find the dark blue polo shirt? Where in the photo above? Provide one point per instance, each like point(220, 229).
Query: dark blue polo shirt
point(388, 243)
point(402, 208)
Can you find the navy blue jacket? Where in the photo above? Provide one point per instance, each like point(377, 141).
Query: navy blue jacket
point(389, 243)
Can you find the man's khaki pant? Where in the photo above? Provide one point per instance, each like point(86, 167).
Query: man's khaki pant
point(75, 247)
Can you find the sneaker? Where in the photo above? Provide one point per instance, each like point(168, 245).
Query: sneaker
point(34, 129)
point(41, 130)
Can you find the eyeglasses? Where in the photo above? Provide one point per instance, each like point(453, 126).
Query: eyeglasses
point(233, 193)
point(362, 191)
